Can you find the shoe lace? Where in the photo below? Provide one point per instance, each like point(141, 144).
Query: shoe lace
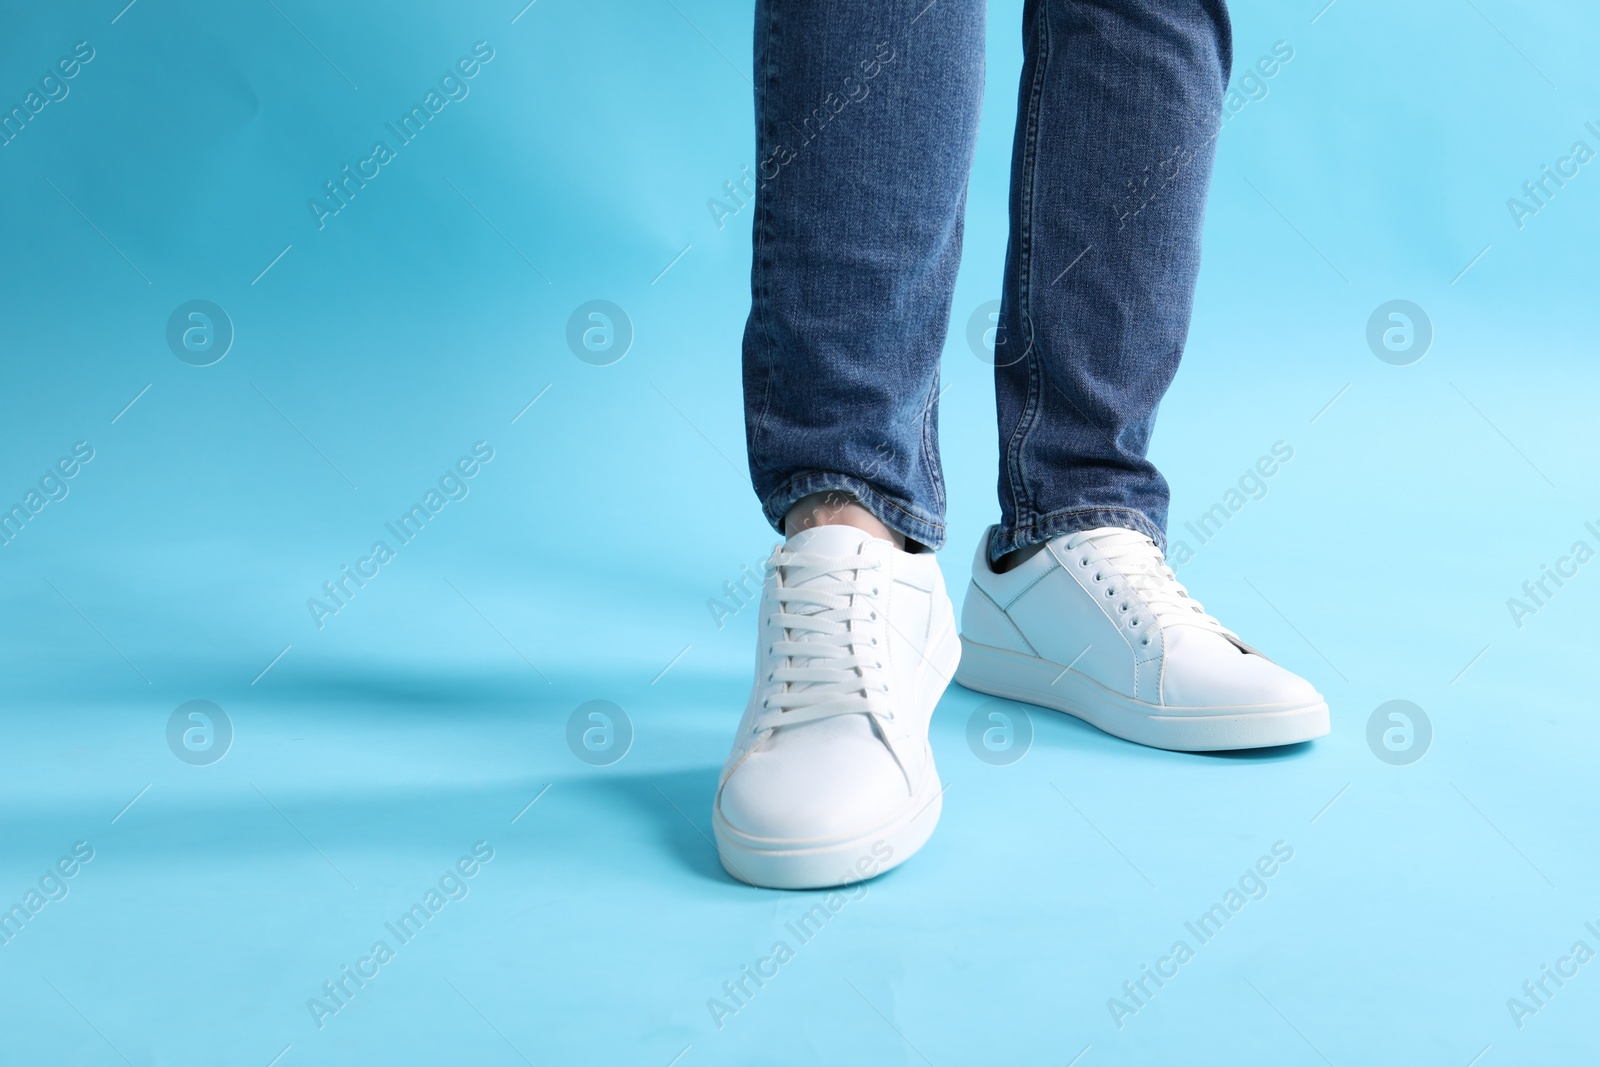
point(823, 664)
point(1136, 559)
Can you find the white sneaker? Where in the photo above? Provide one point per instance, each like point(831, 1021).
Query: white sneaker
point(1097, 625)
point(831, 779)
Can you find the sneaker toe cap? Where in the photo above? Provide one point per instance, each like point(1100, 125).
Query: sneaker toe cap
point(814, 785)
point(1205, 670)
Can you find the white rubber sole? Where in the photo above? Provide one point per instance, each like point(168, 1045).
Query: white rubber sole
point(819, 864)
point(1031, 680)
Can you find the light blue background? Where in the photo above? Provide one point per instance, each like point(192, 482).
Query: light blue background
point(427, 714)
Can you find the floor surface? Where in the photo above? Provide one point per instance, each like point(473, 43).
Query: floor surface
point(392, 767)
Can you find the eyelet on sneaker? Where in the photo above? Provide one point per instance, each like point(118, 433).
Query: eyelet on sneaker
point(874, 640)
point(1084, 562)
point(1134, 621)
point(1099, 577)
point(1111, 590)
point(1122, 608)
point(1145, 643)
point(873, 617)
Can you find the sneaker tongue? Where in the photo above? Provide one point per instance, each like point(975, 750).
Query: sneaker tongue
point(1116, 535)
point(823, 541)
point(829, 541)
point(1143, 566)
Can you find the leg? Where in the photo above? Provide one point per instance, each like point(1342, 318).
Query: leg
point(1116, 128)
point(866, 116)
point(1120, 106)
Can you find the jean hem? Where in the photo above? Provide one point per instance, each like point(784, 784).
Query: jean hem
point(901, 516)
point(1072, 520)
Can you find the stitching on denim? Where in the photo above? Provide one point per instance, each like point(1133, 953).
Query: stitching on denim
point(1224, 25)
point(1022, 500)
point(930, 454)
point(760, 252)
point(1097, 509)
point(1144, 524)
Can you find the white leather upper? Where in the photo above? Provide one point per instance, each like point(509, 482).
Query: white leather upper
point(852, 753)
point(1104, 602)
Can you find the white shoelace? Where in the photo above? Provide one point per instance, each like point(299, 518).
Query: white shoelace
point(1135, 559)
point(825, 665)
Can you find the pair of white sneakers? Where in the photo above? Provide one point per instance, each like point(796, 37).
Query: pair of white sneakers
point(831, 779)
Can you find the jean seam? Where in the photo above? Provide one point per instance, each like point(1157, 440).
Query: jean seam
point(1043, 524)
point(930, 459)
point(759, 254)
point(1023, 501)
point(1224, 22)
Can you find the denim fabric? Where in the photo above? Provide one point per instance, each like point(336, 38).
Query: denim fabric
point(866, 115)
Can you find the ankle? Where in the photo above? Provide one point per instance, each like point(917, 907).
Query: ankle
point(834, 508)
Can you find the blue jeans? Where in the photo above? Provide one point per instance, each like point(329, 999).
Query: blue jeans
point(866, 116)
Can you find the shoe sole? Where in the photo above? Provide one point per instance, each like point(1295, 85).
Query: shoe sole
point(778, 864)
point(1032, 680)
